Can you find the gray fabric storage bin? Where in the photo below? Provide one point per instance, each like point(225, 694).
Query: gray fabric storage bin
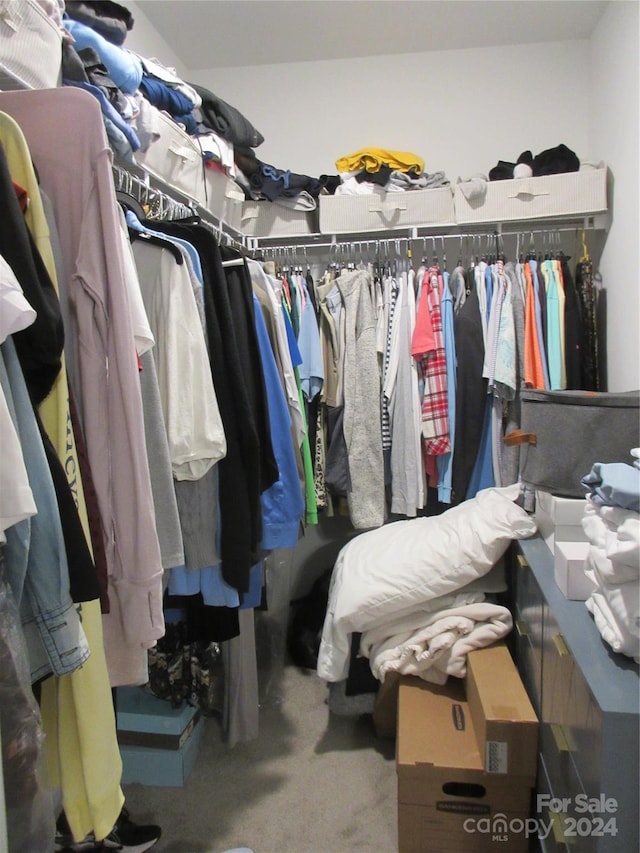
point(564, 433)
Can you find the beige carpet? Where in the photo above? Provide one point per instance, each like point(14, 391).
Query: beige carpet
point(312, 782)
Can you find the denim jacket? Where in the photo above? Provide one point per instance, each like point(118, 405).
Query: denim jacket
point(36, 560)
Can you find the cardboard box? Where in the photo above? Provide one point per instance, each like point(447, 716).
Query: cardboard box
point(504, 721)
point(163, 767)
point(447, 802)
point(569, 561)
point(385, 709)
point(145, 720)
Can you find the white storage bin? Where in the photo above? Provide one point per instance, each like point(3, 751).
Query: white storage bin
point(563, 511)
point(341, 214)
point(223, 197)
point(30, 45)
point(176, 159)
point(569, 561)
point(270, 219)
point(578, 193)
point(559, 519)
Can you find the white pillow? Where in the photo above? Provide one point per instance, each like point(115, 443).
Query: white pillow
point(392, 569)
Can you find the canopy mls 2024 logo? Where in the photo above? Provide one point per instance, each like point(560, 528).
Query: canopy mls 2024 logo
point(577, 817)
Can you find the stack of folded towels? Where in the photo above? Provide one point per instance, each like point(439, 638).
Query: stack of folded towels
point(612, 524)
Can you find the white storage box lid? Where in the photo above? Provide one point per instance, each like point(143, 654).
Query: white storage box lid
point(548, 196)
point(341, 214)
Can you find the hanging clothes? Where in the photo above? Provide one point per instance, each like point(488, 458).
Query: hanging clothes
point(89, 769)
point(588, 297)
point(428, 347)
point(445, 460)
point(534, 370)
point(248, 466)
point(405, 417)
point(283, 504)
point(573, 329)
point(362, 432)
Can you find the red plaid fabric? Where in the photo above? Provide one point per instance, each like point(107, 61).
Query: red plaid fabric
point(435, 417)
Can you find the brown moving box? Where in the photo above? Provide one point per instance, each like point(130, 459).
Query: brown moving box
point(385, 709)
point(503, 717)
point(447, 802)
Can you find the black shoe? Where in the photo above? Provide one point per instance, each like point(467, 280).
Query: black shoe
point(126, 836)
point(131, 837)
point(64, 839)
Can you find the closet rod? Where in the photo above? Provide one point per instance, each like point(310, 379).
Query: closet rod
point(486, 230)
point(359, 243)
point(151, 188)
point(139, 188)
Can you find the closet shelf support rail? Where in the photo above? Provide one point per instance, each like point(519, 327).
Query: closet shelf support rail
point(375, 245)
point(592, 222)
point(166, 202)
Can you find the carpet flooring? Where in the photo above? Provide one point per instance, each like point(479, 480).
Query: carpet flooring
point(312, 782)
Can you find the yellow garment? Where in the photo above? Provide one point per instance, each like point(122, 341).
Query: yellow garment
point(371, 159)
point(81, 748)
point(54, 411)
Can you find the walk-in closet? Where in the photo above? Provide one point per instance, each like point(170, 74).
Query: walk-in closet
point(320, 426)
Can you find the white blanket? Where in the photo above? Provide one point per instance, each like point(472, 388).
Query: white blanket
point(399, 569)
point(434, 646)
point(616, 533)
point(613, 631)
point(623, 600)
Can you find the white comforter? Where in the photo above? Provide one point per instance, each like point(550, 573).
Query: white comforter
point(434, 646)
point(417, 568)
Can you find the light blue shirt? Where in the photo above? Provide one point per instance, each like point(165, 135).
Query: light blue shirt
point(554, 335)
point(445, 460)
point(311, 369)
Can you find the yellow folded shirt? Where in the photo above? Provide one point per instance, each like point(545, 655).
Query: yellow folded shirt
point(371, 159)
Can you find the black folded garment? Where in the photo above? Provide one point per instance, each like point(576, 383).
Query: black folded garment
point(380, 178)
point(274, 183)
point(109, 19)
point(555, 161)
point(502, 172)
point(246, 160)
point(227, 121)
point(552, 161)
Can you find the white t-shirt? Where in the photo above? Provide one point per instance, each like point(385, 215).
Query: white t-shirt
point(16, 497)
point(192, 418)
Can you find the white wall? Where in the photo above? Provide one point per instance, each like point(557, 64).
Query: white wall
point(613, 137)
point(461, 110)
point(145, 40)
